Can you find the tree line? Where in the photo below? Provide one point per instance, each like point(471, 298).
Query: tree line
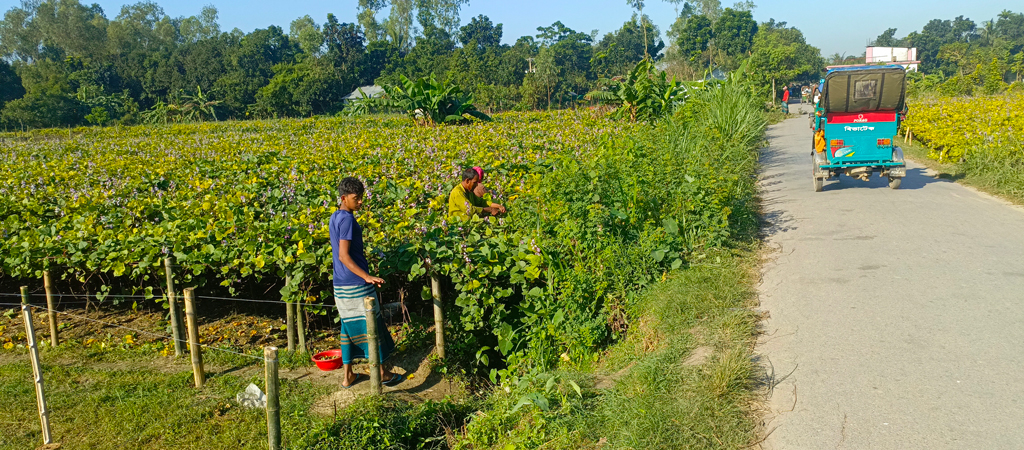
point(962, 57)
point(67, 64)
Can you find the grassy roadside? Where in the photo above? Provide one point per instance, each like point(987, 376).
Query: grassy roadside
point(681, 378)
point(690, 378)
point(989, 171)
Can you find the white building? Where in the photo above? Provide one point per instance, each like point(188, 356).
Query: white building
point(906, 57)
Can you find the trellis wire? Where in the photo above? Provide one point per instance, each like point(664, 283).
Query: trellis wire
point(161, 336)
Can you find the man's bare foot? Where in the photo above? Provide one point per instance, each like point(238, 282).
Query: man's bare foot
point(349, 381)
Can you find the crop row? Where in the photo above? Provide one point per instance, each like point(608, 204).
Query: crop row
point(954, 127)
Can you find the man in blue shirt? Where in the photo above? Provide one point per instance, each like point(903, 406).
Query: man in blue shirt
point(352, 283)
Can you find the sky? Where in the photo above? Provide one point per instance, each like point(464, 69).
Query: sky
point(832, 26)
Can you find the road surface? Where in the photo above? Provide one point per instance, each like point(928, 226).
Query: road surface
point(895, 317)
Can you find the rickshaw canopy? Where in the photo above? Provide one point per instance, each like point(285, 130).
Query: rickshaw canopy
point(864, 88)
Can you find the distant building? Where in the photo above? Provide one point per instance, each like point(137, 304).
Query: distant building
point(372, 91)
point(906, 57)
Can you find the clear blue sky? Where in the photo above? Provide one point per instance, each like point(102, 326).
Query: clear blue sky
point(831, 26)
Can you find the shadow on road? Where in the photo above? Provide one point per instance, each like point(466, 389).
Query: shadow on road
point(915, 179)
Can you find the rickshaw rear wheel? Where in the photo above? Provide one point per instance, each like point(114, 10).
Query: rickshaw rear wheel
point(894, 182)
point(819, 184)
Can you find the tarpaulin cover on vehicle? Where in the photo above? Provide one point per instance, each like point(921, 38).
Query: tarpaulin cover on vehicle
point(867, 88)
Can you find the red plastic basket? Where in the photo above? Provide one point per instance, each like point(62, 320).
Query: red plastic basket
point(328, 364)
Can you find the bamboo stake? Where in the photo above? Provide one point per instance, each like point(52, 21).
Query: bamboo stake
point(172, 303)
point(372, 344)
point(37, 370)
point(435, 291)
point(193, 339)
point(290, 309)
point(54, 340)
point(290, 318)
point(273, 403)
point(300, 323)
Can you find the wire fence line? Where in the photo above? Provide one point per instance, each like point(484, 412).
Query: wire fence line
point(205, 297)
point(44, 305)
point(92, 295)
point(235, 299)
point(148, 333)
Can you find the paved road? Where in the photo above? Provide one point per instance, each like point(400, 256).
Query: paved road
point(898, 315)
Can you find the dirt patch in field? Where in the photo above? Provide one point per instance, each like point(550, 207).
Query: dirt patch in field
point(698, 356)
point(421, 383)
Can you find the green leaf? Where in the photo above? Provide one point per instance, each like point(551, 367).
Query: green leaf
point(550, 384)
point(658, 255)
point(481, 357)
point(671, 226)
point(576, 388)
point(677, 263)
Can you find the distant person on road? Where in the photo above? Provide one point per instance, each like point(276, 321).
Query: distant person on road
point(464, 203)
point(352, 283)
point(785, 101)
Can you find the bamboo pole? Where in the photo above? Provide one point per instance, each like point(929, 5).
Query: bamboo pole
point(372, 344)
point(300, 325)
point(290, 318)
point(435, 291)
point(193, 338)
point(51, 314)
point(273, 403)
point(172, 303)
point(37, 370)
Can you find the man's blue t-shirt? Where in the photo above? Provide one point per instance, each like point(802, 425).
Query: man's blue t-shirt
point(343, 226)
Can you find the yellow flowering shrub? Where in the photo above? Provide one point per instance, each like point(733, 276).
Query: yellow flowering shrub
point(953, 127)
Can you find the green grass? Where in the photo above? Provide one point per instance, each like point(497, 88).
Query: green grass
point(649, 391)
point(998, 171)
point(128, 403)
point(664, 402)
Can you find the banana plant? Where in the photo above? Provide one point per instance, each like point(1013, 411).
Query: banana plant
point(428, 101)
point(644, 93)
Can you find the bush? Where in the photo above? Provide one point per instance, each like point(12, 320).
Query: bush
point(42, 110)
point(427, 101)
point(376, 422)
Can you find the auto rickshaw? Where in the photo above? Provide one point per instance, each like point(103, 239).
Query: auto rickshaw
point(856, 116)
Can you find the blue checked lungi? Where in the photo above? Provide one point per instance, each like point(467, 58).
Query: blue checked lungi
point(353, 323)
